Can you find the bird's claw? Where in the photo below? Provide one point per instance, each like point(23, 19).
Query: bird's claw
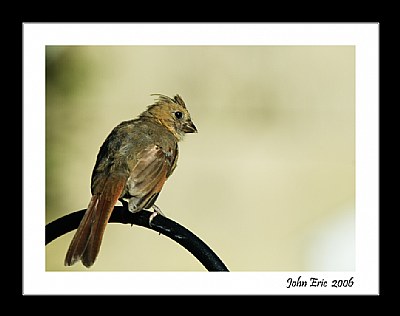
point(155, 213)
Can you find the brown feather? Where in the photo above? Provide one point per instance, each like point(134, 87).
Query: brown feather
point(148, 177)
point(79, 242)
point(86, 243)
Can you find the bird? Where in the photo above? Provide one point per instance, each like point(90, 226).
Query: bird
point(132, 165)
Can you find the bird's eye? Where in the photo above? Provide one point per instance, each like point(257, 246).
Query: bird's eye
point(178, 115)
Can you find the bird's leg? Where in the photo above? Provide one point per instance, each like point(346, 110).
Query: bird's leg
point(157, 210)
point(155, 213)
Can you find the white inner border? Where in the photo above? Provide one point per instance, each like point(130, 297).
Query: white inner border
point(365, 36)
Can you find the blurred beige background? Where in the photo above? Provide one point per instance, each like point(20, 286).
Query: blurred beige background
point(268, 182)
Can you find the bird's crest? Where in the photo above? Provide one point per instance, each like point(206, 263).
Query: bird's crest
point(165, 99)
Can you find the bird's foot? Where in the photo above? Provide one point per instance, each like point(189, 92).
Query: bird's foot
point(155, 213)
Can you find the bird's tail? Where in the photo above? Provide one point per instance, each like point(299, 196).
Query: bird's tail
point(85, 245)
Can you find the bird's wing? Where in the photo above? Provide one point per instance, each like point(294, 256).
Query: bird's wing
point(147, 177)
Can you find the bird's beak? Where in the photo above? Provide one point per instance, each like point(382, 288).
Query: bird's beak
point(189, 127)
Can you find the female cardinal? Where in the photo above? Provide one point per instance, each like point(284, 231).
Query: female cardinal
point(133, 164)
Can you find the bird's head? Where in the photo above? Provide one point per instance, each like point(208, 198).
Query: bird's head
point(173, 114)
